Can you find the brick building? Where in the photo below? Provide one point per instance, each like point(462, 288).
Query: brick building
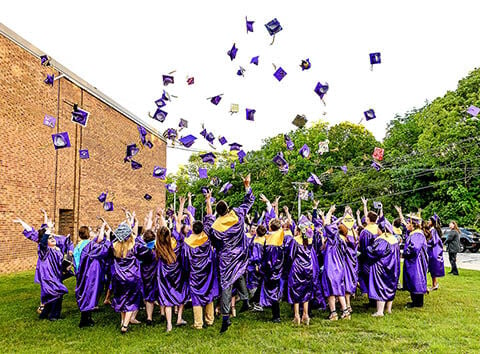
point(33, 175)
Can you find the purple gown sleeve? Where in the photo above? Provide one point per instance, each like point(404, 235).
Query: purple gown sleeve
point(248, 201)
point(31, 235)
point(317, 221)
point(208, 221)
point(99, 250)
point(269, 215)
point(377, 250)
point(192, 210)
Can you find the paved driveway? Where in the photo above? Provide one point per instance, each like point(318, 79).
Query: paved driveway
point(465, 260)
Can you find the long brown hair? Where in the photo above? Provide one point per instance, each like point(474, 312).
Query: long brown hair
point(455, 226)
point(163, 246)
point(426, 230)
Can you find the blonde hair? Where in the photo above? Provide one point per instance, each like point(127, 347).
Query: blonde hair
point(120, 249)
point(455, 226)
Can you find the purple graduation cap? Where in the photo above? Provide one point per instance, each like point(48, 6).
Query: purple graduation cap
point(344, 169)
point(108, 206)
point(304, 151)
point(147, 196)
point(305, 65)
point(226, 187)
point(300, 120)
point(160, 103)
point(370, 114)
point(210, 138)
point(232, 53)
point(254, 60)
point(132, 150)
point(204, 133)
point(143, 133)
point(232, 165)
point(170, 133)
point(202, 172)
point(44, 60)
point(159, 115)
point(167, 79)
point(135, 165)
point(215, 181)
point(473, 111)
point(171, 187)
point(188, 140)
point(49, 121)
point(374, 59)
point(249, 25)
point(376, 165)
point(166, 96)
point(235, 146)
point(321, 90)
point(61, 140)
point(79, 116)
point(183, 123)
point(289, 142)
point(314, 179)
point(273, 27)
point(102, 197)
point(169, 212)
point(280, 74)
point(215, 99)
point(84, 154)
point(241, 155)
point(222, 140)
point(159, 172)
point(209, 157)
point(204, 190)
point(435, 217)
point(240, 71)
point(190, 81)
point(280, 161)
point(49, 79)
point(149, 144)
point(250, 114)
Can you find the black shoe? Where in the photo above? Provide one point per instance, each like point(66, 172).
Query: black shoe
point(245, 306)
point(162, 319)
point(84, 324)
point(53, 319)
point(276, 320)
point(149, 322)
point(409, 305)
point(454, 273)
point(225, 325)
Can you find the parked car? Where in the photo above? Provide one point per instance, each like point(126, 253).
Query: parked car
point(468, 240)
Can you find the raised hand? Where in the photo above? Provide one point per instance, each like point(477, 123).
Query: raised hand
point(315, 204)
point(364, 201)
point(246, 181)
point(263, 198)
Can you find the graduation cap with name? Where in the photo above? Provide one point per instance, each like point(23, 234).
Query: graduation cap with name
point(300, 120)
point(61, 140)
point(273, 27)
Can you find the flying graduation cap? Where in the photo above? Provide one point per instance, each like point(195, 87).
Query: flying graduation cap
point(241, 71)
point(314, 179)
point(234, 108)
point(235, 146)
point(369, 114)
point(289, 142)
point(167, 79)
point(159, 172)
point(323, 147)
point(344, 169)
point(241, 155)
point(299, 121)
point(61, 140)
point(160, 103)
point(374, 59)
point(170, 133)
point(84, 154)
point(132, 150)
point(190, 80)
point(304, 151)
point(473, 111)
point(210, 137)
point(321, 90)
point(45, 60)
point(215, 99)
point(49, 121)
point(183, 123)
point(49, 79)
point(108, 206)
point(147, 196)
point(250, 114)
point(232, 53)
point(209, 157)
point(305, 64)
point(102, 197)
point(159, 115)
point(226, 187)
point(249, 24)
point(254, 60)
point(79, 116)
point(222, 140)
point(202, 172)
point(279, 73)
point(135, 165)
point(171, 187)
point(376, 165)
point(280, 161)
point(188, 140)
point(273, 27)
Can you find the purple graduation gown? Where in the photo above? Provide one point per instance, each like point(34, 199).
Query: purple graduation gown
point(126, 278)
point(89, 274)
point(272, 269)
point(172, 279)
point(304, 271)
point(384, 257)
point(366, 238)
point(202, 271)
point(254, 277)
point(415, 263)
point(49, 272)
point(148, 270)
point(333, 276)
point(435, 255)
point(228, 235)
point(351, 264)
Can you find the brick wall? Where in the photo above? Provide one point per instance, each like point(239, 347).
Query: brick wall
point(33, 175)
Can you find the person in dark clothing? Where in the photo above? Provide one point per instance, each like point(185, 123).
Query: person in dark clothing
point(452, 242)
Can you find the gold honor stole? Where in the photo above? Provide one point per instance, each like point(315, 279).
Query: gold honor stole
point(389, 238)
point(195, 241)
point(173, 242)
point(299, 240)
point(372, 228)
point(397, 230)
point(223, 223)
point(259, 239)
point(275, 238)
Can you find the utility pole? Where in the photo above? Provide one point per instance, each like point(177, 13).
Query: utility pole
point(297, 186)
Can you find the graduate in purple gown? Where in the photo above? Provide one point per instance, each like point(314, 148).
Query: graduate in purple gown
point(48, 272)
point(88, 256)
point(128, 250)
point(172, 279)
point(254, 275)
point(304, 271)
point(350, 255)
point(272, 269)
point(436, 267)
point(227, 232)
point(384, 257)
point(415, 265)
point(366, 238)
point(333, 276)
point(202, 273)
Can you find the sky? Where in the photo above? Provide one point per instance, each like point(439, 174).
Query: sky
point(124, 47)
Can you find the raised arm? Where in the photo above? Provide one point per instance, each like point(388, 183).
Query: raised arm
point(101, 234)
point(400, 215)
point(365, 207)
point(25, 226)
point(249, 198)
point(208, 202)
point(275, 205)
point(359, 219)
point(178, 224)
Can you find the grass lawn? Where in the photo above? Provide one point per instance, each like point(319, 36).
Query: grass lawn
point(449, 322)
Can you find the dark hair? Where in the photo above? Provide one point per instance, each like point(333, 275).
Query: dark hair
point(148, 236)
point(261, 230)
point(197, 227)
point(343, 230)
point(426, 230)
point(397, 222)
point(436, 224)
point(83, 233)
point(140, 230)
point(221, 208)
point(372, 216)
point(275, 225)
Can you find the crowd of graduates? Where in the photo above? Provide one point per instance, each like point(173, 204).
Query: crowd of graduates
point(321, 260)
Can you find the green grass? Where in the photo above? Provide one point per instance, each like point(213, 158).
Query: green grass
point(449, 322)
